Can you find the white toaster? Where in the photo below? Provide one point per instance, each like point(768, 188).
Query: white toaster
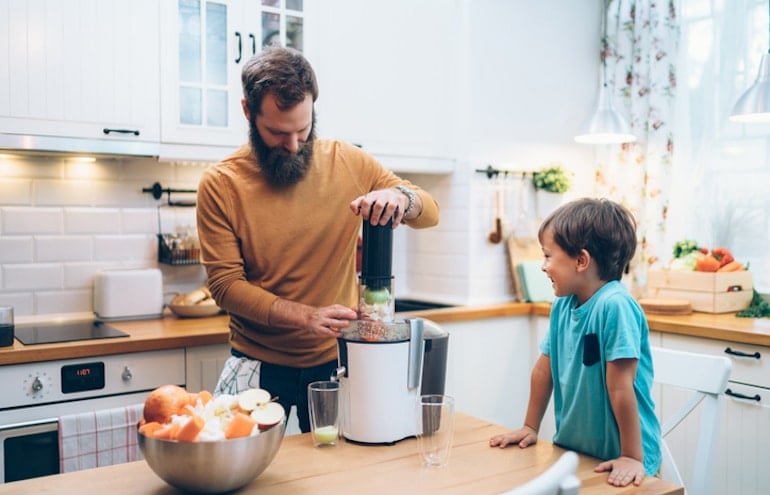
point(128, 294)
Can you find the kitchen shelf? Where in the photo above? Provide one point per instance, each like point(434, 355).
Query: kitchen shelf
point(173, 249)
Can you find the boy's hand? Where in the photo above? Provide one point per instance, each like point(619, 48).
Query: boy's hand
point(524, 437)
point(623, 471)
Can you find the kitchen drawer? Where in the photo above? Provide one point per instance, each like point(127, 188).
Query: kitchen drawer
point(751, 363)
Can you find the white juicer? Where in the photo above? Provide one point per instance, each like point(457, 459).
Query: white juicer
point(385, 365)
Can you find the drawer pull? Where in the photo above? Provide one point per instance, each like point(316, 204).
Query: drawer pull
point(755, 355)
point(741, 396)
point(107, 130)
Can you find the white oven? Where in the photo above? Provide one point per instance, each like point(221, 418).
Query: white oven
point(35, 395)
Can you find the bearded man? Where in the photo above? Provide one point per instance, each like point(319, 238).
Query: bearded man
point(279, 221)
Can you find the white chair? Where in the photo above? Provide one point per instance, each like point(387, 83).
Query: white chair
point(706, 376)
point(559, 479)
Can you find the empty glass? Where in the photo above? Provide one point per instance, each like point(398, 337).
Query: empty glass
point(435, 428)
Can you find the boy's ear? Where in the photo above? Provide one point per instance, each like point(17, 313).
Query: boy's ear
point(583, 260)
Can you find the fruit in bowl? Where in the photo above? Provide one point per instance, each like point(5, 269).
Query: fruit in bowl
point(200, 443)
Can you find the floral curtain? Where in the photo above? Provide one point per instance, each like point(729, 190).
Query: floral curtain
point(640, 50)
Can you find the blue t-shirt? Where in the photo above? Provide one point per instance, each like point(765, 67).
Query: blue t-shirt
point(581, 340)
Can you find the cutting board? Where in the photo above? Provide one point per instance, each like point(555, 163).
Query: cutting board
point(522, 249)
point(535, 284)
point(666, 306)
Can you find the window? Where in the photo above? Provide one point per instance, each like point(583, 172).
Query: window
point(722, 168)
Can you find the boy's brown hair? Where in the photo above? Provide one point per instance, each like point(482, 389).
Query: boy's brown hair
point(605, 229)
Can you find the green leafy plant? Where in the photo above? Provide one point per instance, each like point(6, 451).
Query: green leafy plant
point(552, 178)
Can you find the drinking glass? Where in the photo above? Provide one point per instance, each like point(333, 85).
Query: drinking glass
point(323, 404)
point(435, 428)
point(6, 326)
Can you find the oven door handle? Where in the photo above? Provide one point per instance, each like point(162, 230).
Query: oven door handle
point(38, 426)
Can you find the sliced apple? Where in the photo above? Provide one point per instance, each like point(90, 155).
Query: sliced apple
point(250, 399)
point(268, 414)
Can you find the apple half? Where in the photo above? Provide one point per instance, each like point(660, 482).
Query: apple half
point(268, 414)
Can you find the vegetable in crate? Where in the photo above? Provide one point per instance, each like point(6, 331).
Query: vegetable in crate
point(723, 255)
point(685, 247)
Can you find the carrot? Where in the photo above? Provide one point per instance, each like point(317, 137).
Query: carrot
point(733, 266)
point(240, 426)
point(189, 431)
point(706, 263)
point(149, 429)
point(167, 432)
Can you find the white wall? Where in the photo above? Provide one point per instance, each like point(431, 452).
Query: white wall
point(529, 75)
point(62, 221)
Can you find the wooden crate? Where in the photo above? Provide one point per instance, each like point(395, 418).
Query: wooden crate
point(707, 292)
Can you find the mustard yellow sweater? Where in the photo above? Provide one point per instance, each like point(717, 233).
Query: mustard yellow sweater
point(299, 243)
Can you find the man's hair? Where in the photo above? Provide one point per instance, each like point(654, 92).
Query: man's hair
point(284, 72)
point(602, 227)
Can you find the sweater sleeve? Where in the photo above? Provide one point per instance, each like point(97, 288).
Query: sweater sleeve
point(221, 256)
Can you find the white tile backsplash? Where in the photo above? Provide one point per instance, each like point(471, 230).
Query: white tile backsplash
point(15, 249)
point(31, 220)
point(62, 248)
point(64, 301)
point(92, 220)
point(36, 276)
point(63, 221)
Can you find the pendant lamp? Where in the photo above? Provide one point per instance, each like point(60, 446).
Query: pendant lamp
point(754, 105)
point(605, 125)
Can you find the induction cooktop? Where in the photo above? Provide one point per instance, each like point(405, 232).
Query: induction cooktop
point(66, 332)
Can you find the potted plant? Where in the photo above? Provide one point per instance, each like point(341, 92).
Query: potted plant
point(551, 182)
point(552, 178)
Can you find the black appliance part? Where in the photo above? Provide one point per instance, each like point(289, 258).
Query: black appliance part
point(377, 255)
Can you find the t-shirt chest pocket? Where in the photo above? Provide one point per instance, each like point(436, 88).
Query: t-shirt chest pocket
point(590, 349)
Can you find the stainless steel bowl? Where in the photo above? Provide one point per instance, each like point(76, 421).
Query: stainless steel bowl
point(215, 466)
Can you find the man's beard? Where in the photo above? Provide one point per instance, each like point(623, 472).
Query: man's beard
point(280, 167)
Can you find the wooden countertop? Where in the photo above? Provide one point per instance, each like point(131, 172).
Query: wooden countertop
point(172, 332)
point(169, 332)
point(300, 468)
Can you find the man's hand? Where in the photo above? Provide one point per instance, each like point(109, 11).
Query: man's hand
point(329, 319)
point(326, 320)
point(623, 471)
point(523, 437)
point(379, 206)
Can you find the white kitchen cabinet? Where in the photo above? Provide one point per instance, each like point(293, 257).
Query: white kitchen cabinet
point(204, 46)
point(82, 69)
point(744, 439)
point(488, 368)
point(389, 77)
point(204, 364)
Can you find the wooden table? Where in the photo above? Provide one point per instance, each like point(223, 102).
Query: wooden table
point(300, 468)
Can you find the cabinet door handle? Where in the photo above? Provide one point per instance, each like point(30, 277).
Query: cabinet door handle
point(253, 43)
point(240, 47)
point(107, 130)
point(742, 396)
point(755, 355)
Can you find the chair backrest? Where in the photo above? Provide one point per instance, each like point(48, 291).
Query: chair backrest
point(706, 376)
point(559, 479)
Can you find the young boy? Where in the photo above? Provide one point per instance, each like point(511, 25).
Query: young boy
point(596, 356)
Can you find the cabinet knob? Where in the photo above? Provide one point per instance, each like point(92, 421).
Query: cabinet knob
point(127, 375)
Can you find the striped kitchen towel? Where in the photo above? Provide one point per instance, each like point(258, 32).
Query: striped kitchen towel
point(99, 438)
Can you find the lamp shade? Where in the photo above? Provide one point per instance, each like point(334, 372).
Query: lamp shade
point(606, 125)
point(754, 104)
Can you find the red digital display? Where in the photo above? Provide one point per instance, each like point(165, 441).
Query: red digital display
point(82, 377)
